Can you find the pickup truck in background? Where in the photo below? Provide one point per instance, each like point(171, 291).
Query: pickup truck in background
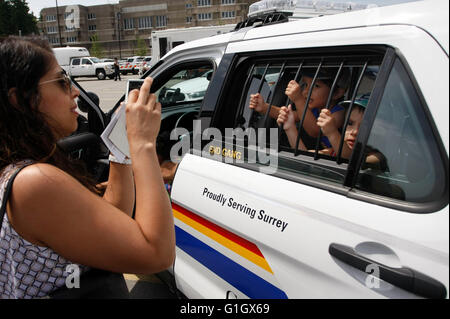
point(90, 66)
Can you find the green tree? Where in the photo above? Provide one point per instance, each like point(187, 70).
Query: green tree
point(96, 48)
point(15, 18)
point(141, 46)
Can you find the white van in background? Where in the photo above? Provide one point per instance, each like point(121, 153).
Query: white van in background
point(64, 55)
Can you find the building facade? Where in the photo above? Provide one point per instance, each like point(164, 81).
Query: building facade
point(124, 29)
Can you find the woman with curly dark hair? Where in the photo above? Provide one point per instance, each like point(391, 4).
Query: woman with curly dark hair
point(55, 216)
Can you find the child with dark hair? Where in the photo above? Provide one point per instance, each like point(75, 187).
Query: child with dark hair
point(298, 93)
point(331, 130)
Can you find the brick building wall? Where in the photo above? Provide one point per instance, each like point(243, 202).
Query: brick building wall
point(137, 19)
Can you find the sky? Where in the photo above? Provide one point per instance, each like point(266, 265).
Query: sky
point(37, 5)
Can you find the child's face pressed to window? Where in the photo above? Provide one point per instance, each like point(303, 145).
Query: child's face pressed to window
point(351, 133)
point(319, 93)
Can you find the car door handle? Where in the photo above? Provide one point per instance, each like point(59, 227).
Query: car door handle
point(405, 278)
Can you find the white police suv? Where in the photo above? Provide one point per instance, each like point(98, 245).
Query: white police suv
point(256, 218)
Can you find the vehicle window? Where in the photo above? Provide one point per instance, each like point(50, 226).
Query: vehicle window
point(86, 61)
point(95, 60)
point(321, 82)
point(413, 170)
point(187, 84)
point(76, 62)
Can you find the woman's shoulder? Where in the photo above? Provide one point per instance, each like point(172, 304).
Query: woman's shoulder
point(40, 182)
point(37, 177)
point(40, 194)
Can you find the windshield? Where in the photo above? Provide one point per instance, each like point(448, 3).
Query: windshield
point(95, 60)
point(188, 84)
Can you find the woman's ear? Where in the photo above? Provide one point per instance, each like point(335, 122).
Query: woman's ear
point(12, 97)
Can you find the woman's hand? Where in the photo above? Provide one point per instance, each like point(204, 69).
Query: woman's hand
point(143, 117)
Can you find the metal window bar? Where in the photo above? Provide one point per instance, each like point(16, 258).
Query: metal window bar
point(349, 112)
point(288, 100)
point(333, 86)
point(296, 79)
point(340, 65)
point(261, 83)
point(266, 118)
point(300, 124)
point(243, 95)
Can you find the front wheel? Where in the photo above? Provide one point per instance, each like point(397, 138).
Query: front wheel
point(101, 75)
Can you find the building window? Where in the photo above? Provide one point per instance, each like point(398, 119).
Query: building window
point(161, 21)
point(228, 14)
point(52, 29)
point(203, 3)
point(189, 5)
point(53, 40)
point(92, 27)
point(91, 16)
point(228, 2)
point(188, 19)
point(204, 16)
point(50, 18)
point(71, 39)
point(128, 24)
point(145, 22)
point(69, 29)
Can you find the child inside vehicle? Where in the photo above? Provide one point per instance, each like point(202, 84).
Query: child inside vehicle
point(329, 128)
point(298, 93)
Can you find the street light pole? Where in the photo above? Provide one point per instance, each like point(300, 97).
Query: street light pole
point(118, 30)
point(57, 20)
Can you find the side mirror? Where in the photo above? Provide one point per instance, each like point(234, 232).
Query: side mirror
point(84, 106)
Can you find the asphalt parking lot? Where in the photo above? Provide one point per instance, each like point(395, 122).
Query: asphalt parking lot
point(109, 91)
point(147, 287)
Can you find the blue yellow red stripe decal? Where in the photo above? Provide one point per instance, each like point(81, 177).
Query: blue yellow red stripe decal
point(224, 237)
point(240, 277)
point(244, 280)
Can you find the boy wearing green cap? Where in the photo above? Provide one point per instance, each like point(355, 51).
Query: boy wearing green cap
point(329, 128)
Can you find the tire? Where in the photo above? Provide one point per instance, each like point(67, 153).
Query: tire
point(101, 75)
